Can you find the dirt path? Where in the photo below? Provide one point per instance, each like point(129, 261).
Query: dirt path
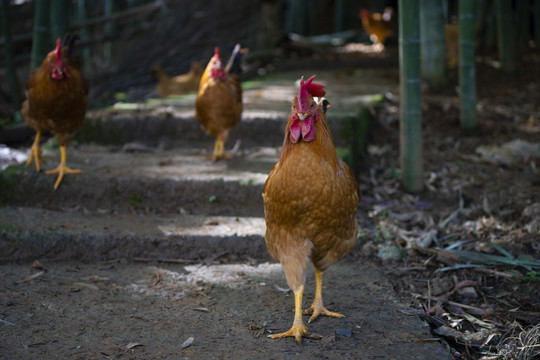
point(147, 311)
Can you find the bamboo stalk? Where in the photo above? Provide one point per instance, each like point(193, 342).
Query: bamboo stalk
point(433, 44)
point(410, 96)
point(86, 52)
point(9, 56)
point(40, 40)
point(505, 35)
point(109, 29)
point(59, 19)
point(523, 25)
point(467, 71)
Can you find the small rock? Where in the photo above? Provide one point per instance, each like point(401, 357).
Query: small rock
point(392, 253)
point(344, 332)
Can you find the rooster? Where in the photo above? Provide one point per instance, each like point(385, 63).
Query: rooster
point(378, 26)
point(180, 84)
point(56, 101)
point(219, 101)
point(310, 201)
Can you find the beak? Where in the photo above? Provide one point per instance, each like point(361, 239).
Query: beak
point(302, 116)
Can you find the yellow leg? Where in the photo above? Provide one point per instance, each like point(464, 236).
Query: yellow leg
point(35, 152)
point(62, 168)
point(317, 308)
point(298, 329)
point(219, 151)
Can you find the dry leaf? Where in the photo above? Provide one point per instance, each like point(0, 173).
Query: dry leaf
point(203, 309)
point(30, 278)
point(133, 345)
point(188, 342)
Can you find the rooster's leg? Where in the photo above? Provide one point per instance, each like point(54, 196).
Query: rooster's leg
point(317, 308)
point(35, 152)
point(298, 329)
point(62, 168)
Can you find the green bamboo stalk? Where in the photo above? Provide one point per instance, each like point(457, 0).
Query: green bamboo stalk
point(41, 41)
point(491, 28)
point(433, 43)
point(295, 17)
point(467, 71)
point(505, 35)
point(9, 56)
point(410, 96)
point(109, 29)
point(59, 19)
point(481, 13)
point(83, 32)
point(341, 15)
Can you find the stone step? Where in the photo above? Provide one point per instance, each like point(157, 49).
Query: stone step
point(31, 233)
point(145, 181)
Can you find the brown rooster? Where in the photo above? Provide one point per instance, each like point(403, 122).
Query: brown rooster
point(56, 101)
point(310, 201)
point(219, 101)
point(180, 84)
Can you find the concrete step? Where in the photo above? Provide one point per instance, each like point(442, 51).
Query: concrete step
point(31, 233)
point(145, 181)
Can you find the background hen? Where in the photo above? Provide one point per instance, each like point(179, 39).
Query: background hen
point(56, 101)
point(378, 26)
point(180, 84)
point(219, 101)
point(310, 201)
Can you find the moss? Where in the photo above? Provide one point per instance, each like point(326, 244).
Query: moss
point(101, 131)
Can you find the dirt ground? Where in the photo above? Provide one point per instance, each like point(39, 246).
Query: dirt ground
point(148, 311)
point(460, 277)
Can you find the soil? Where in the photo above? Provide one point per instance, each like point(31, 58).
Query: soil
point(154, 245)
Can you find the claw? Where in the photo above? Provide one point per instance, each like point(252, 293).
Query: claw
point(62, 168)
point(317, 308)
point(35, 152)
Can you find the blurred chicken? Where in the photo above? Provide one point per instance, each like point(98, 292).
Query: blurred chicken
point(451, 33)
point(310, 201)
point(178, 85)
point(378, 26)
point(219, 102)
point(56, 101)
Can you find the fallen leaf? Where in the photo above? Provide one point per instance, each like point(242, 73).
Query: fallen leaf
point(203, 309)
point(95, 278)
point(133, 345)
point(30, 278)
point(188, 342)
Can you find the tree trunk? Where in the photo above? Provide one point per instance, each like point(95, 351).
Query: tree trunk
point(40, 39)
point(505, 35)
point(410, 96)
point(59, 19)
point(433, 43)
point(9, 57)
point(467, 72)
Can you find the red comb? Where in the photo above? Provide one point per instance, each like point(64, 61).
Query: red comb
point(312, 88)
point(58, 53)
